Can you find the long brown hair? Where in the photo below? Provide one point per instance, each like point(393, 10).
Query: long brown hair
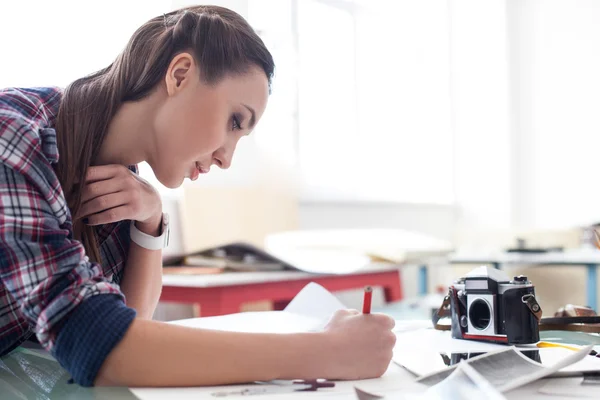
point(220, 40)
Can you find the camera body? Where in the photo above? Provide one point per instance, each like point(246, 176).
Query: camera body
point(487, 305)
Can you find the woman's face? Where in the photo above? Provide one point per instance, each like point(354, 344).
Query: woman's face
point(198, 125)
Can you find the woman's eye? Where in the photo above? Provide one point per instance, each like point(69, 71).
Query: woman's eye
point(235, 123)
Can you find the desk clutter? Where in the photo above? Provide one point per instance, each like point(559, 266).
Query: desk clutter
point(233, 257)
point(427, 364)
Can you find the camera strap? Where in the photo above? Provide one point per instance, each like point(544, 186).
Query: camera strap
point(443, 312)
point(577, 324)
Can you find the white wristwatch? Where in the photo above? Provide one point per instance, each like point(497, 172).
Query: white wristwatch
point(148, 241)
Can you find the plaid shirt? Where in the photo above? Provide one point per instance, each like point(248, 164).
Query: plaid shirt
point(47, 284)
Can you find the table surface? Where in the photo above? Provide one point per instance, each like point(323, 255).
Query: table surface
point(244, 278)
point(34, 374)
point(567, 256)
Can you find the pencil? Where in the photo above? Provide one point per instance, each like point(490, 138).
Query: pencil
point(367, 300)
point(548, 344)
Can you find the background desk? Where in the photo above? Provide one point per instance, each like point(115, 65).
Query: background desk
point(588, 258)
point(221, 294)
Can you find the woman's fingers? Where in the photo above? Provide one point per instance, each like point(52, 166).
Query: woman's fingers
point(97, 189)
point(102, 203)
point(108, 216)
point(104, 172)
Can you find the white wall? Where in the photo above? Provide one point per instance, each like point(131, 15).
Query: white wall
point(526, 96)
point(525, 93)
point(482, 140)
point(480, 104)
point(555, 58)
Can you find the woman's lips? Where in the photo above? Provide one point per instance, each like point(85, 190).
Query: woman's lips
point(201, 168)
point(195, 173)
point(198, 169)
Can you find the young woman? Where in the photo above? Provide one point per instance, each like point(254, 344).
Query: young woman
point(81, 233)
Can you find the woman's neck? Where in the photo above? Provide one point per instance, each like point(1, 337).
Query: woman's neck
point(130, 137)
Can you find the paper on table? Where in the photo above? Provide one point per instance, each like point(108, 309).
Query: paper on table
point(552, 355)
point(364, 395)
point(412, 325)
point(508, 369)
point(315, 301)
point(569, 387)
point(256, 322)
point(442, 342)
point(463, 383)
point(309, 311)
point(419, 350)
point(394, 380)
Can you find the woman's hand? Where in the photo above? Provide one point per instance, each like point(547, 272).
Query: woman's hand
point(360, 345)
point(114, 193)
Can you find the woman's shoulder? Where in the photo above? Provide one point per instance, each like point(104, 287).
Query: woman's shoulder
point(27, 117)
point(37, 105)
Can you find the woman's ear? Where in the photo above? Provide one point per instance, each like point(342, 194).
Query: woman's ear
point(180, 71)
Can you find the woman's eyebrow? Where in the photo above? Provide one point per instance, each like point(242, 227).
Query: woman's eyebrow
point(252, 118)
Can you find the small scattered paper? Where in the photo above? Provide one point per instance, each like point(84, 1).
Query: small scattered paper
point(507, 369)
point(464, 383)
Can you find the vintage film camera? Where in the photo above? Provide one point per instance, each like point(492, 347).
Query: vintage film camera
point(487, 305)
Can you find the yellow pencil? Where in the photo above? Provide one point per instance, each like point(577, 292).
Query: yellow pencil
point(548, 344)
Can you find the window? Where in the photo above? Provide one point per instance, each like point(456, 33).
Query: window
point(370, 81)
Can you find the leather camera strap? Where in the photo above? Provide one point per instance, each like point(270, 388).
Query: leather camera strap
point(590, 324)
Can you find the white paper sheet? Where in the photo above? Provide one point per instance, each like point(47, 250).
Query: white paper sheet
point(411, 325)
point(442, 341)
point(395, 379)
point(465, 383)
point(316, 302)
point(256, 322)
point(419, 352)
point(570, 387)
point(309, 311)
point(553, 354)
point(509, 369)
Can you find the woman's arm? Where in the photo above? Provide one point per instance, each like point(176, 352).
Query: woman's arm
point(142, 277)
point(114, 193)
point(353, 346)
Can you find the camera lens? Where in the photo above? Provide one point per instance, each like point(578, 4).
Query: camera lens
point(479, 314)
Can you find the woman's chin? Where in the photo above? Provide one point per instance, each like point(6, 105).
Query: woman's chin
point(172, 183)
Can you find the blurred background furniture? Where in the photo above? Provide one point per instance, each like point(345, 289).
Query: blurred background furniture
point(226, 293)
